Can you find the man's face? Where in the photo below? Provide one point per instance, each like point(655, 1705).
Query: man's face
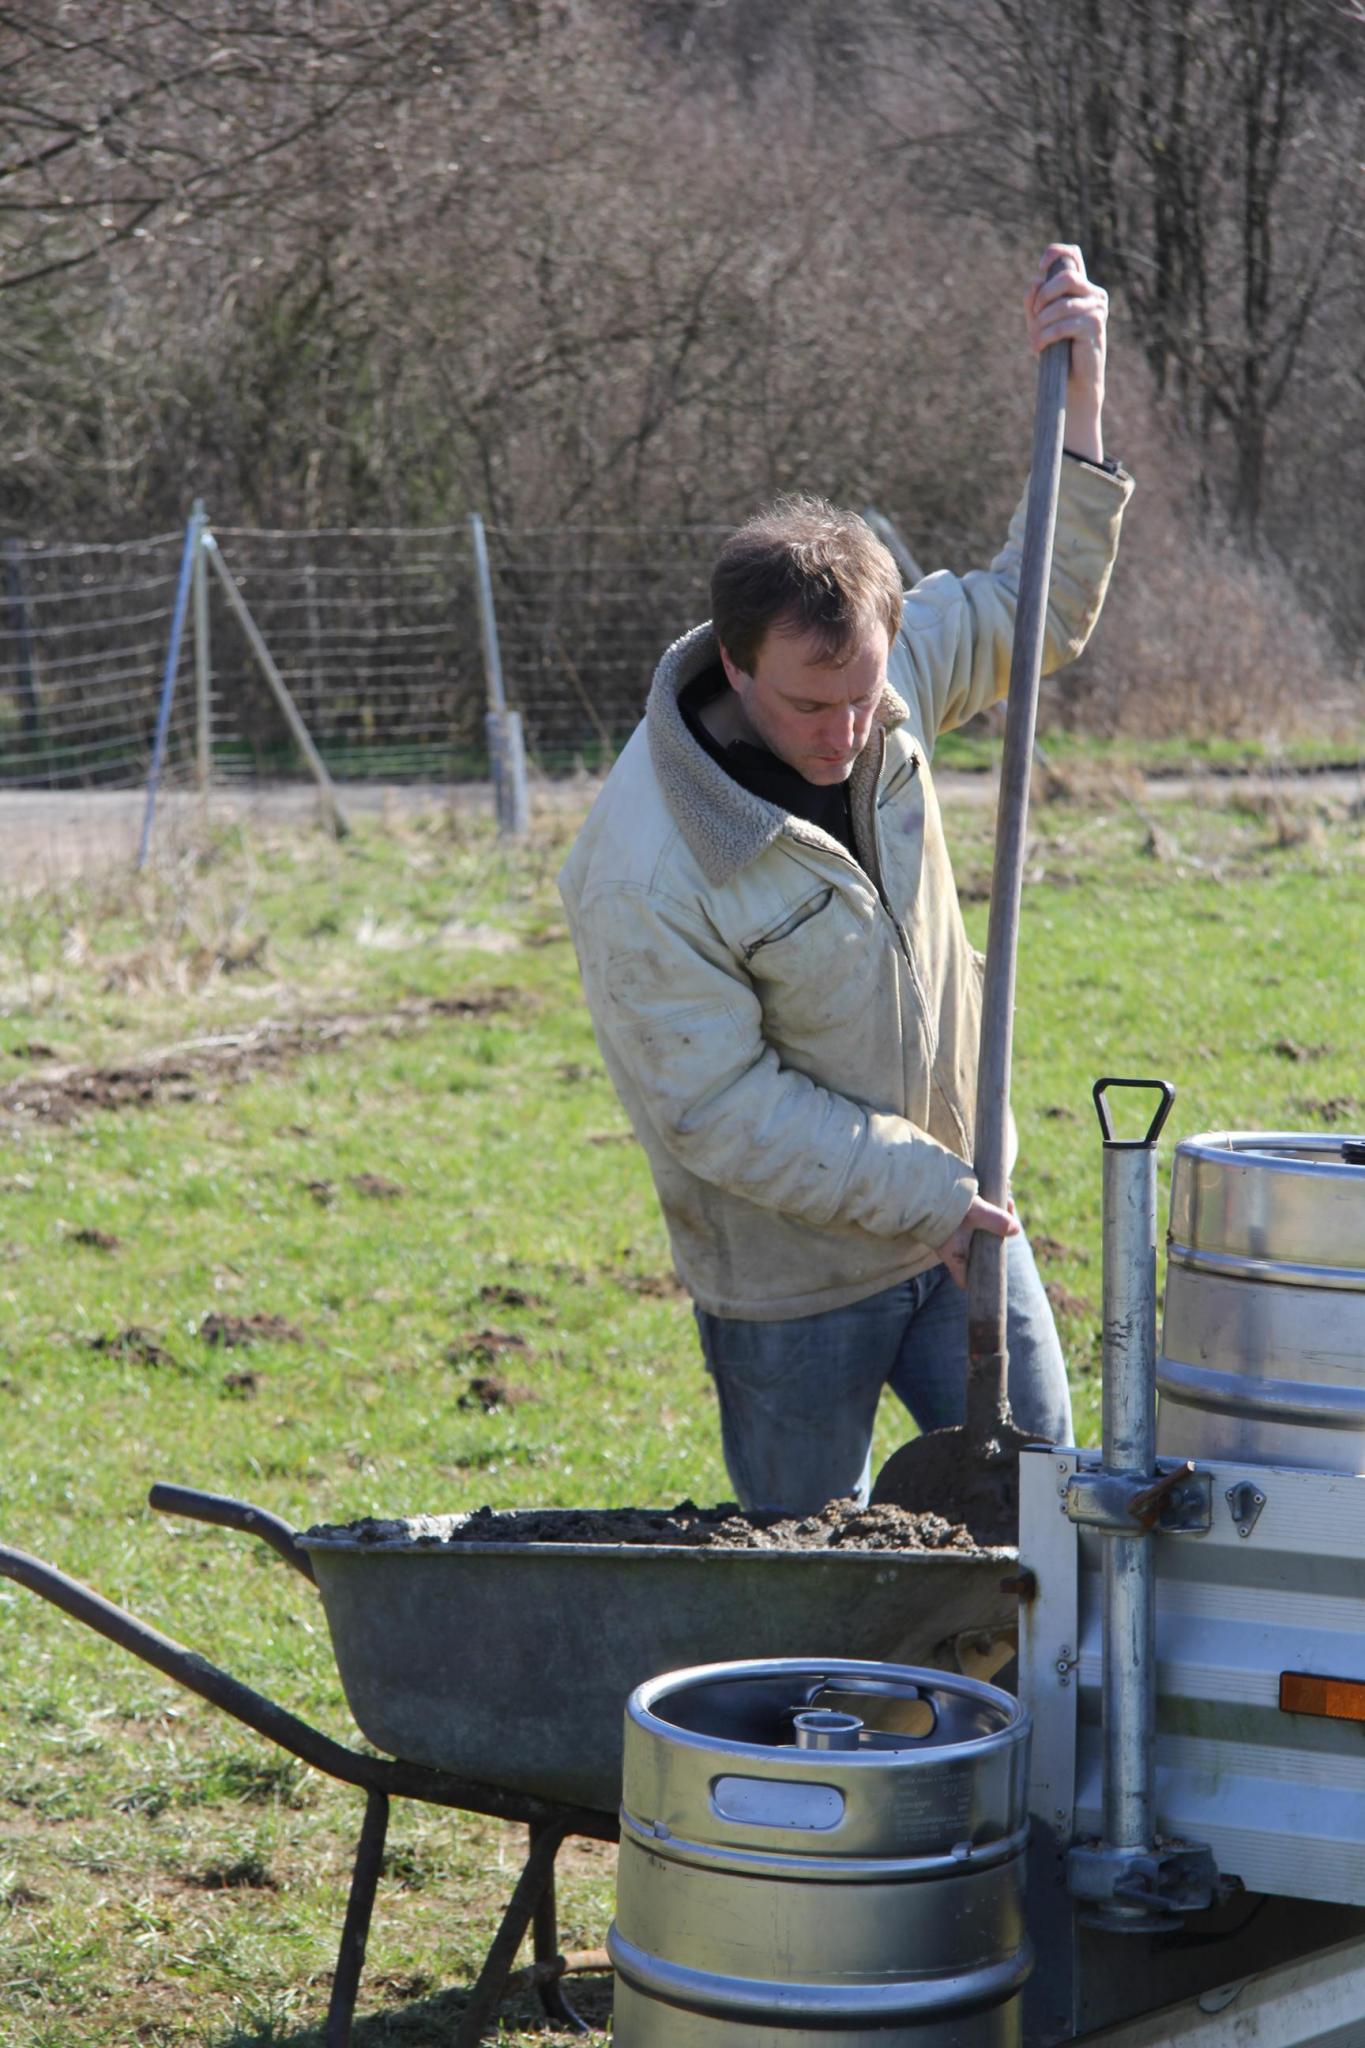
point(812, 714)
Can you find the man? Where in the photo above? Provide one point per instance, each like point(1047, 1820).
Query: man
point(778, 973)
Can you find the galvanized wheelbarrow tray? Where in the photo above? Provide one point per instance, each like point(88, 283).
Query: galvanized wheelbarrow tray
point(495, 1675)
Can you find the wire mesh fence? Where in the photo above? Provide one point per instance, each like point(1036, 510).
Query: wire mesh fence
point(375, 633)
point(82, 646)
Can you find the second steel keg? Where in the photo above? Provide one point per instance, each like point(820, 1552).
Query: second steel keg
point(1263, 1338)
point(821, 1855)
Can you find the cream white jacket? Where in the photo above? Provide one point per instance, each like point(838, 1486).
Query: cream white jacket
point(793, 1032)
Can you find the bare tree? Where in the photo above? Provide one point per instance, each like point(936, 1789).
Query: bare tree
point(1208, 158)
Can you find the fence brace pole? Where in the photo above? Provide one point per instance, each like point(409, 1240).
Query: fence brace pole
point(202, 670)
point(332, 811)
point(891, 537)
point(193, 539)
point(506, 743)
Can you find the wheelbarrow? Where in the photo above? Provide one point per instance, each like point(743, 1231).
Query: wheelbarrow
point(495, 1675)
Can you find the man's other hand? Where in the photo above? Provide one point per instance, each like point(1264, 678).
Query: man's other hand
point(982, 1215)
point(1071, 307)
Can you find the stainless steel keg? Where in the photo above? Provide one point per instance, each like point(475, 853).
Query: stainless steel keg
point(821, 1855)
point(1263, 1338)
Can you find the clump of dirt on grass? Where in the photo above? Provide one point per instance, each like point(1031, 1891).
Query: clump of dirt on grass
point(377, 1188)
point(1064, 1302)
point(489, 1392)
point(842, 1525)
point(485, 1347)
point(231, 1331)
point(1331, 1109)
point(497, 1296)
point(96, 1240)
point(1290, 1049)
point(248, 1873)
point(1045, 1247)
point(133, 1342)
point(653, 1286)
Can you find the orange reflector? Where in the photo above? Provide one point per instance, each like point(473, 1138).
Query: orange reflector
point(1334, 1699)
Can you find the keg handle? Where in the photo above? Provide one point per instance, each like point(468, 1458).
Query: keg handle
point(858, 1687)
point(873, 1688)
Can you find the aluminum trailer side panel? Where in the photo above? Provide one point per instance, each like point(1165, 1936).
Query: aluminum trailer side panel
point(1318, 2002)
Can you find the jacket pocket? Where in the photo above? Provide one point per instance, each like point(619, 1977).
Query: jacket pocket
point(898, 781)
point(791, 922)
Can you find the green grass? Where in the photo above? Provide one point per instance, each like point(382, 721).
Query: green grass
point(166, 1878)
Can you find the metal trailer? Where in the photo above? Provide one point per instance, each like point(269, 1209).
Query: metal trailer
point(1192, 1640)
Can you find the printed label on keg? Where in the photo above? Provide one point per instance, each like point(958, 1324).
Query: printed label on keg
point(931, 1809)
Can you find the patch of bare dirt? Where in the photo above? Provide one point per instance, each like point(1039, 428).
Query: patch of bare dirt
point(245, 1385)
point(377, 1188)
point(96, 1240)
point(491, 1393)
point(1052, 1248)
point(248, 1873)
point(229, 1332)
point(654, 1286)
point(495, 1295)
point(1064, 1302)
point(839, 1526)
point(1331, 1109)
point(133, 1342)
point(1290, 1049)
point(485, 1347)
point(183, 1073)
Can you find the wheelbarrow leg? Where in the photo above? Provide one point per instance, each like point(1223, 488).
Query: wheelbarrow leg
point(545, 1935)
point(522, 1909)
point(369, 1857)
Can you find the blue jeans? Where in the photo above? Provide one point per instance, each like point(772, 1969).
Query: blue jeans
point(798, 1399)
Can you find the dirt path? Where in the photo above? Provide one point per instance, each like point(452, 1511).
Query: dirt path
point(50, 836)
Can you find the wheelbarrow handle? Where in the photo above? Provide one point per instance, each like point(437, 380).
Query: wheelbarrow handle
point(227, 1513)
point(195, 1673)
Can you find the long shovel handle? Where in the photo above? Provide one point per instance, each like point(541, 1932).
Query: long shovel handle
point(987, 1356)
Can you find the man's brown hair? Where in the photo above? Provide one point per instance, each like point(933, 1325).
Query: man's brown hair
point(801, 566)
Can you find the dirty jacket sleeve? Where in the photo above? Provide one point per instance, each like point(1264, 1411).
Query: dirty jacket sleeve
point(958, 631)
point(683, 1028)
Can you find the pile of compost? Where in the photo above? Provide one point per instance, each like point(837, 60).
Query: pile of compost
point(841, 1526)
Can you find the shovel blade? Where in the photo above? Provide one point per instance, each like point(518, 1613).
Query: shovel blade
point(952, 1473)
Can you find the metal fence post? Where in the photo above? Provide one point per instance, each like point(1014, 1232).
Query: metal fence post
point(193, 538)
point(506, 746)
point(202, 670)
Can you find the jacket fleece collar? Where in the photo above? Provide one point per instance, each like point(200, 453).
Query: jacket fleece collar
point(725, 825)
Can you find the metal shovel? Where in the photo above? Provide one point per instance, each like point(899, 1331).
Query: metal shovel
point(971, 1473)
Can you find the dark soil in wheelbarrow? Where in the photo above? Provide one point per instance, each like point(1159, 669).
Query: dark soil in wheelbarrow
point(840, 1526)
